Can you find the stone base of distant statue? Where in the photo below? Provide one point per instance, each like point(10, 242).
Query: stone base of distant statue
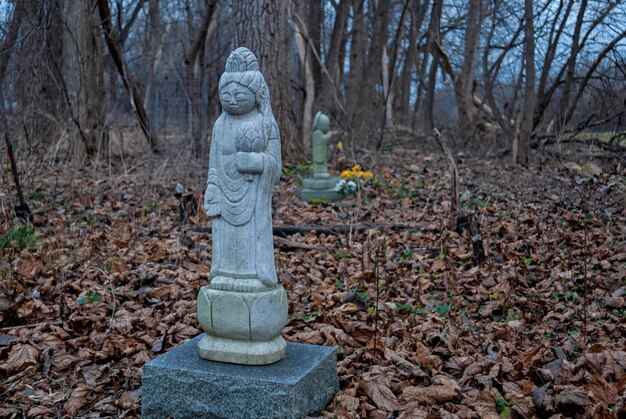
point(180, 384)
point(322, 188)
point(242, 319)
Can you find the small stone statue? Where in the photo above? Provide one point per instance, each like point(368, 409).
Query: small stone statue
point(321, 187)
point(321, 136)
point(243, 309)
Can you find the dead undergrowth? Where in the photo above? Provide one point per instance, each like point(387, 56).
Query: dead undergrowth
point(106, 277)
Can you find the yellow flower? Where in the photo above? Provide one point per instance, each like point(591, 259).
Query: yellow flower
point(357, 173)
point(340, 146)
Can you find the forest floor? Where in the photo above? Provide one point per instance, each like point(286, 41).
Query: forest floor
point(106, 277)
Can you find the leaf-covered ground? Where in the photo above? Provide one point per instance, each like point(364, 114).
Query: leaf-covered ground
point(106, 278)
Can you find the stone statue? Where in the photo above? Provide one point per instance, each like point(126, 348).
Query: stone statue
point(321, 187)
point(321, 136)
point(243, 309)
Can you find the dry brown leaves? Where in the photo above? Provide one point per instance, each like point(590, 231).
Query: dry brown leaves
point(420, 330)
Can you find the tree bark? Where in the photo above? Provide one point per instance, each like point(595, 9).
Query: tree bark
point(306, 59)
point(571, 61)
point(434, 36)
point(464, 84)
point(418, 12)
point(262, 26)
point(84, 74)
point(38, 69)
point(371, 101)
point(315, 17)
point(358, 42)
point(154, 44)
point(332, 58)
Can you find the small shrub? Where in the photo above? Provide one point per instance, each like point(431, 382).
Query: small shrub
point(19, 237)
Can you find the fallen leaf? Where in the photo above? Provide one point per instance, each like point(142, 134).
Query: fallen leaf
point(485, 402)
point(76, 401)
point(571, 400)
point(405, 367)
point(62, 360)
point(381, 395)
point(40, 411)
point(7, 412)
point(130, 399)
point(600, 391)
point(158, 344)
point(21, 357)
point(347, 405)
point(429, 395)
point(29, 267)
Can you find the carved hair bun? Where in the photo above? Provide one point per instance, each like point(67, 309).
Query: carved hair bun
point(241, 60)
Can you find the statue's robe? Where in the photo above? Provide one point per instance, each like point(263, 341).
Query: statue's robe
point(243, 245)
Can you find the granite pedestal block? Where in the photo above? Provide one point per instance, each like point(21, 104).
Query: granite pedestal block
point(183, 385)
point(320, 189)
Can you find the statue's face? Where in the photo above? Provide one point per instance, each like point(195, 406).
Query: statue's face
point(237, 99)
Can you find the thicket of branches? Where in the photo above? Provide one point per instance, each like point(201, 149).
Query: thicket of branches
point(523, 70)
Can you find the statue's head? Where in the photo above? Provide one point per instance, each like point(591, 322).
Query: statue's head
point(242, 86)
point(321, 123)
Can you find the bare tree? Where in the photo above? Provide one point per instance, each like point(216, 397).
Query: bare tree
point(22, 210)
point(90, 104)
point(464, 83)
point(118, 58)
point(434, 39)
point(520, 152)
point(194, 63)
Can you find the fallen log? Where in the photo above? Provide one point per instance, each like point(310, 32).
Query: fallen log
point(289, 230)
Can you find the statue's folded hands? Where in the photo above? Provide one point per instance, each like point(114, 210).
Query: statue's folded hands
point(249, 162)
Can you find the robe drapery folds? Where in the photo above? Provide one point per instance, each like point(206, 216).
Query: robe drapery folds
point(242, 229)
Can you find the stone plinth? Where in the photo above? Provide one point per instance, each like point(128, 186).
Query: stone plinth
point(242, 327)
point(320, 189)
point(183, 385)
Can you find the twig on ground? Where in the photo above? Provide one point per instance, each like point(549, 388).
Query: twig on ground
point(288, 230)
point(112, 294)
point(455, 197)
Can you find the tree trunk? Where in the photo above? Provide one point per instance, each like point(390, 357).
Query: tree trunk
point(464, 84)
point(81, 66)
point(315, 17)
point(195, 74)
point(22, 210)
point(118, 58)
point(154, 45)
point(354, 81)
point(370, 100)
point(529, 92)
point(38, 67)
point(262, 26)
point(332, 58)
point(306, 63)
point(571, 62)
point(433, 37)
point(418, 12)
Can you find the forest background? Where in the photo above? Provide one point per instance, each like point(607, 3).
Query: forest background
point(479, 271)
